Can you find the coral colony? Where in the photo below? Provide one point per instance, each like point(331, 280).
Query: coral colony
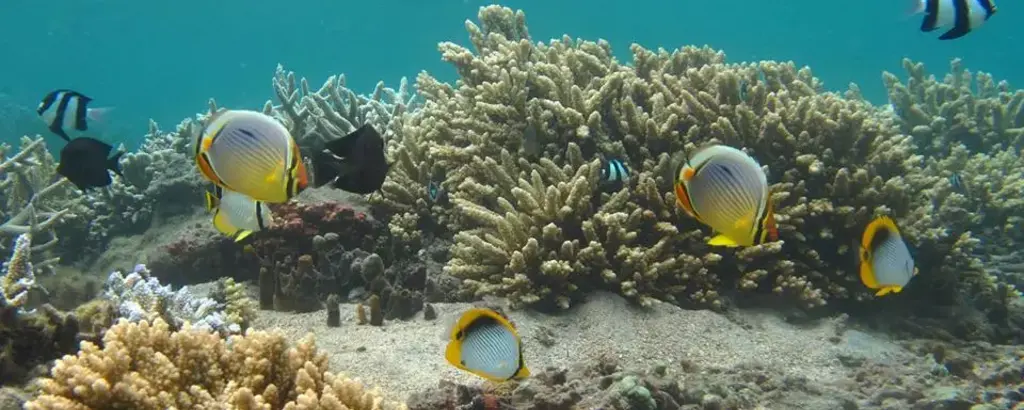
point(516, 147)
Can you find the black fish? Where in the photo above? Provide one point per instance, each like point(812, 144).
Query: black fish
point(66, 111)
point(958, 13)
point(353, 163)
point(84, 162)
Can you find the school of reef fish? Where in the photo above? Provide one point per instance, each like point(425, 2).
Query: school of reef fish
point(551, 170)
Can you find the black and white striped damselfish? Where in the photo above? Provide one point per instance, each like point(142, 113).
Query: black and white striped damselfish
point(485, 343)
point(614, 174)
point(67, 113)
point(961, 16)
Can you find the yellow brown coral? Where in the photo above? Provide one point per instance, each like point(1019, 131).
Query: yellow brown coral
point(147, 366)
point(520, 135)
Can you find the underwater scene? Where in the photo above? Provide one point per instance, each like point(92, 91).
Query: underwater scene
point(522, 221)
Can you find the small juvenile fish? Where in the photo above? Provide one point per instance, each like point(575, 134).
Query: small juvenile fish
point(725, 189)
point(84, 161)
point(959, 185)
point(67, 111)
point(434, 191)
point(353, 163)
point(485, 343)
point(614, 172)
point(885, 261)
point(237, 215)
point(250, 153)
point(961, 16)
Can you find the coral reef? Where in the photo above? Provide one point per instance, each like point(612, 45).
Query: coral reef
point(333, 111)
point(34, 199)
point(519, 140)
point(28, 337)
point(192, 368)
point(138, 296)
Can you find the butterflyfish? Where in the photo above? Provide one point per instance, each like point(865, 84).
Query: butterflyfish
point(961, 16)
point(251, 153)
point(67, 112)
point(353, 163)
point(237, 215)
point(885, 261)
point(86, 161)
point(485, 343)
point(725, 189)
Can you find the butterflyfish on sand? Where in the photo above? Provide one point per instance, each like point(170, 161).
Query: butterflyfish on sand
point(237, 215)
point(885, 261)
point(725, 189)
point(485, 343)
point(250, 153)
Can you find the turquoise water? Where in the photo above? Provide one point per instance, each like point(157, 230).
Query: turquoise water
point(163, 60)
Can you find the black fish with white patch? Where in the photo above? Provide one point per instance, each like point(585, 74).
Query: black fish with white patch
point(961, 16)
point(86, 161)
point(353, 163)
point(67, 112)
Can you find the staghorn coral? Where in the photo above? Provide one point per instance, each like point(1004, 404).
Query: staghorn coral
point(333, 111)
point(943, 115)
point(34, 199)
point(519, 138)
point(191, 368)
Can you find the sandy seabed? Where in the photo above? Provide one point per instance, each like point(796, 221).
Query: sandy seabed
point(403, 357)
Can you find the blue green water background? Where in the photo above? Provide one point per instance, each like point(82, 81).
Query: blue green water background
point(164, 59)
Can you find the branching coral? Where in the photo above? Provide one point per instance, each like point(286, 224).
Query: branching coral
point(518, 141)
point(333, 111)
point(148, 366)
point(973, 110)
point(35, 200)
point(138, 296)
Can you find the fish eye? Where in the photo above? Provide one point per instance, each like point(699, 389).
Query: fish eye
point(460, 335)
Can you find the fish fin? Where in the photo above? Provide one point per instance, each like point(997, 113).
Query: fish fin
point(915, 7)
point(722, 240)
point(99, 115)
point(956, 32)
point(346, 146)
point(323, 172)
point(242, 234)
point(56, 129)
point(114, 164)
point(885, 291)
point(211, 201)
point(220, 222)
point(931, 17)
point(522, 373)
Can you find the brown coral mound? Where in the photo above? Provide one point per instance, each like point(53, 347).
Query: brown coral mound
point(520, 137)
point(147, 366)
